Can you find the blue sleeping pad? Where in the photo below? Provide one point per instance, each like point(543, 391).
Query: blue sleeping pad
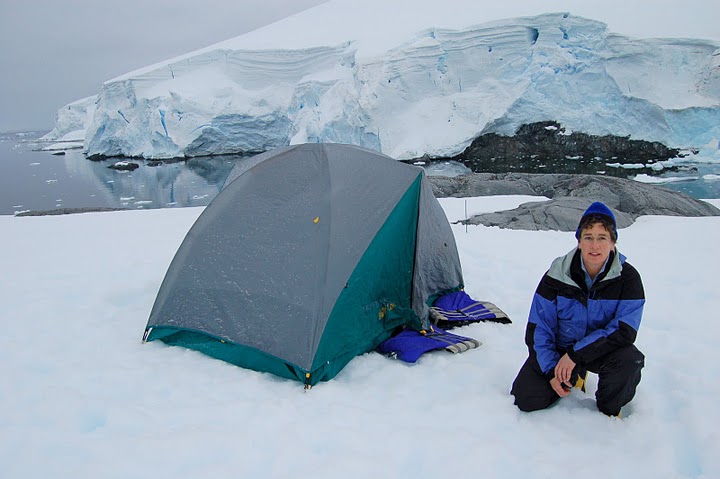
point(409, 345)
point(458, 309)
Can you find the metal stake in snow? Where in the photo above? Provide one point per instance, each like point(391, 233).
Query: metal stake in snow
point(466, 218)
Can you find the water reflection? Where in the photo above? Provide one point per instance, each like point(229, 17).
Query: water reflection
point(32, 180)
point(192, 183)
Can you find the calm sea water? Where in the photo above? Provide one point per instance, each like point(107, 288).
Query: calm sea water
point(39, 180)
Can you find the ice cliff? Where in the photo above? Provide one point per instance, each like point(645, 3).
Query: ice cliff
point(429, 91)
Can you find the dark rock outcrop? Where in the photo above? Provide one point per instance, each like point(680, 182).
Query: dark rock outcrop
point(570, 195)
point(124, 166)
point(547, 146)
point(548, 140)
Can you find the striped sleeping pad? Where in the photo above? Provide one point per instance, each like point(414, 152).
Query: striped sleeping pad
point(458, 309)
point(409, 345)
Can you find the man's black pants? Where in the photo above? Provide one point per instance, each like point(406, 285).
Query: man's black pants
point(618, 372)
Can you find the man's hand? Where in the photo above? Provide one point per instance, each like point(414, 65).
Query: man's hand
point(564, 369)
point(558, 387)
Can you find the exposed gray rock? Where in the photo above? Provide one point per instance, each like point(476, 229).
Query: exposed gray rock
point(570, 195)
point(483, 184)
point(560, 214)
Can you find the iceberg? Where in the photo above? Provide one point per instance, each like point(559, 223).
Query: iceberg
point(410, 79)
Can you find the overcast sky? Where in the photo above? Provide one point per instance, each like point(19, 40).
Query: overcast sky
point(53, 52)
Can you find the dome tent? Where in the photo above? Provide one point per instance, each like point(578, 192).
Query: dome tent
point(309, 256)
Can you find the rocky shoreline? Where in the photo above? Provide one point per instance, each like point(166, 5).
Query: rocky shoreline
point(70, 211)
point(569, 196)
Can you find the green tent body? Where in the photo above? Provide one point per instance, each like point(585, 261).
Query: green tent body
point(309, 256)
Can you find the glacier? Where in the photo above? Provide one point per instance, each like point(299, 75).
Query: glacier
point(417, 91)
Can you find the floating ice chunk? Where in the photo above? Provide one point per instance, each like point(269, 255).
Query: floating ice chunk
point(627, 166)
point(643, 178)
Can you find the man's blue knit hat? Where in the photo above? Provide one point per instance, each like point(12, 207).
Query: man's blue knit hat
point(598, 208)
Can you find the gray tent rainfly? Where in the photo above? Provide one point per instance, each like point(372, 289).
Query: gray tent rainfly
point(310, 255)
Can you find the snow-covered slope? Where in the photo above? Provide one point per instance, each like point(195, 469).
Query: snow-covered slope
point(412, 79)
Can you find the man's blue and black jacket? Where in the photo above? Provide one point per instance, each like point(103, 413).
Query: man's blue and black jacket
point(566, 317)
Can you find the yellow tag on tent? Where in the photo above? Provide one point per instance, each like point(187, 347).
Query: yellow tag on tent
point(317, 218)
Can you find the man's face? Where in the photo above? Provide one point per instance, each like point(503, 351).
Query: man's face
point(595, 244)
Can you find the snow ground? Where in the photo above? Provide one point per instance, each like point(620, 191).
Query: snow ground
point(82, 397)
